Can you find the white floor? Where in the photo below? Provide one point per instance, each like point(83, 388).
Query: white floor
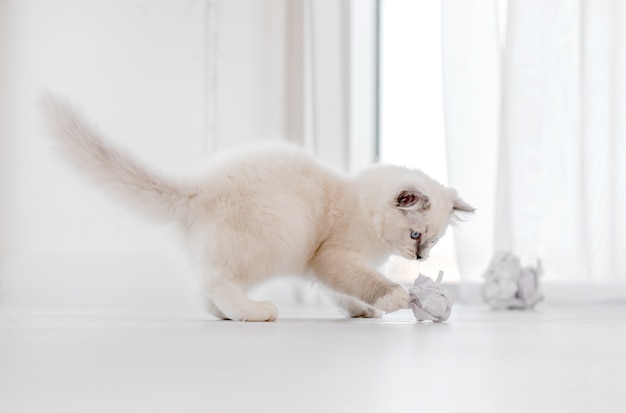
point(554, 359)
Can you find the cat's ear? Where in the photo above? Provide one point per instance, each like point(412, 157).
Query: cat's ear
point(458, 205)
point(412, 200)
point(459, 209)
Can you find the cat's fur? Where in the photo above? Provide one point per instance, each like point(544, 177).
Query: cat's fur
point(256, 214)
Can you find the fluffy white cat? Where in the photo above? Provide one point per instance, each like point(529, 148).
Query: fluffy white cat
point(263, 212)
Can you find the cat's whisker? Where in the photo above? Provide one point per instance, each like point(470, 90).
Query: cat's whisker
point(432, 265)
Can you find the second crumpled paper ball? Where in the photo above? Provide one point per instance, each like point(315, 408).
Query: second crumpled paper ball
point(429, 300)
point(508, 285)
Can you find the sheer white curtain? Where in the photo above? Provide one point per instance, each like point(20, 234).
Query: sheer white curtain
point(536, 133)
point(285, 69)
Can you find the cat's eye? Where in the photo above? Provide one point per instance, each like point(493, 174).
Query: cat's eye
point(416, 235)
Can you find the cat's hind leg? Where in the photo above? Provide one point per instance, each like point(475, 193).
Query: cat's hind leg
point(231, 301)
point(214, 310)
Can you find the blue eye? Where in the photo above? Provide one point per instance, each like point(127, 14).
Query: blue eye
point(416, 235)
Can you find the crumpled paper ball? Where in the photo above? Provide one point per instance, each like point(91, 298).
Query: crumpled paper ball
point(509, 286)
point(429, 300)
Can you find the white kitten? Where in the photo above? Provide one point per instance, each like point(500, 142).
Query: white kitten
point(256, 214)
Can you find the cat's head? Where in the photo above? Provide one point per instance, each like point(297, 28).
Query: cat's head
point(411, 211)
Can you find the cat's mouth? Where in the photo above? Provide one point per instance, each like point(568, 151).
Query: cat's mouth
point(414, 255)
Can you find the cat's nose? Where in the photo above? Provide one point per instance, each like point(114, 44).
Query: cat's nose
point(418, 256)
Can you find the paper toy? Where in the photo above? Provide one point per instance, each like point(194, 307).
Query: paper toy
point(509, 286)
point(429, 300)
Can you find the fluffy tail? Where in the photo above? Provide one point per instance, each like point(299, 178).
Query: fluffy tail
point(117, 169)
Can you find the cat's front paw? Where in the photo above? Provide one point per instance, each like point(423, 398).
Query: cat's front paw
point(395, 300)
point(354, 308)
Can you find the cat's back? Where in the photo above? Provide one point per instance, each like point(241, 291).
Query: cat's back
point(270, 167)
point(271, 201)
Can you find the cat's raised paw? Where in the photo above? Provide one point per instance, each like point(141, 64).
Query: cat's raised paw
point(395, 300)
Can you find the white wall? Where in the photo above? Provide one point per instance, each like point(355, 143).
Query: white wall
point(173, 81)
point(5, 115)
point(137, 70)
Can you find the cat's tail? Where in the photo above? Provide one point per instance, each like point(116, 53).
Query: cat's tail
point(115, 168)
